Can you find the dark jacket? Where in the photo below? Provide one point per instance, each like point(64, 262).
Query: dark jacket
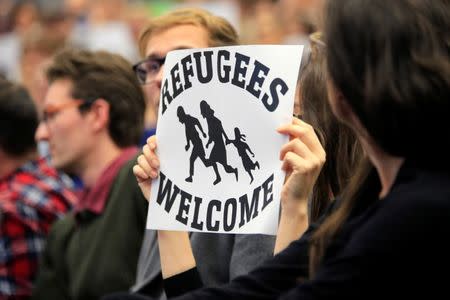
point(390, 248)
point(91, 255)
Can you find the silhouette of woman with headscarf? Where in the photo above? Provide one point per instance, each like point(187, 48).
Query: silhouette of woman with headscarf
point(242, 148)
point(192, 137)
point(216, 135)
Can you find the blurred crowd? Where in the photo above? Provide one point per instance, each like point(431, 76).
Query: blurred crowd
point(31, 31)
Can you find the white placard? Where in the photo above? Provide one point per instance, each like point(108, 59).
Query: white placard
point(217, 141)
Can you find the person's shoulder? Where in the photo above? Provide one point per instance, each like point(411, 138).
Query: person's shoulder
point(425, 189)
point(125, 183)
point(420, 201)
point(35, 189)
point(62, 230)
point(66, 223)
point(59, 236)
point(131, 162)
point(42, 175)
point(401, 225)
point(126, 171)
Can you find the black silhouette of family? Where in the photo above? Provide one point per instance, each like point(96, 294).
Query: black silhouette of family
point(219, 139)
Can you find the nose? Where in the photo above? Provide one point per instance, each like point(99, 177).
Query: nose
point(42, 133)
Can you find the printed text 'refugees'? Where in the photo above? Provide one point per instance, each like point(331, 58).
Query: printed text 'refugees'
point(239, 72)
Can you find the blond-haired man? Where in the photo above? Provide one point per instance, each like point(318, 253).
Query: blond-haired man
point(219, 257)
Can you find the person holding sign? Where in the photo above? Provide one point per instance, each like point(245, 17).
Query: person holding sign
point(338, 140)
point(337, 170)
point(388, 59)
point(220, 257)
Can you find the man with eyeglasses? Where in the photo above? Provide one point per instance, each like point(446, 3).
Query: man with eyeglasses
point(33, 194)
point(181, 29)
point(219, 257)
point(92, 120)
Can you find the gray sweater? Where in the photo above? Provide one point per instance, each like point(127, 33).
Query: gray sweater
point(219, 257)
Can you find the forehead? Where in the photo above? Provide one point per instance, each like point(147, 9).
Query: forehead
point(177, 37)
point(58, 91)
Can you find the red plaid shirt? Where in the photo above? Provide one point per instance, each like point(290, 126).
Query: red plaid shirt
point(31, 199)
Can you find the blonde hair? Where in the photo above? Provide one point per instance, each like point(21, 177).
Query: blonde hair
point(220, 31)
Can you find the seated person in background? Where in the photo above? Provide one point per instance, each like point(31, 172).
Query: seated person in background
point(33, 195)
point(93, 119)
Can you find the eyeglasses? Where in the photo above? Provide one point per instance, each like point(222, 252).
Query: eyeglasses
point(147, 69)
point(51, 111)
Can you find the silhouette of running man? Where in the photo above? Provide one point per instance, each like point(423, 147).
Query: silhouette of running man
point(192, 136)
point(242, 148)
point(216, 135)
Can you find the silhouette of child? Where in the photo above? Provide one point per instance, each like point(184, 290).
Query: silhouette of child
point(242, 148)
